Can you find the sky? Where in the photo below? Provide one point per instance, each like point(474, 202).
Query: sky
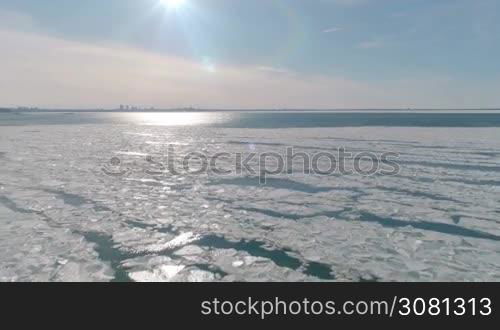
point(249, 54)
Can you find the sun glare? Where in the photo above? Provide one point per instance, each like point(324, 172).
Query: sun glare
point(173, 4)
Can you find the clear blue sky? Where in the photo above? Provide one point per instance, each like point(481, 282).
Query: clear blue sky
point(324, 53)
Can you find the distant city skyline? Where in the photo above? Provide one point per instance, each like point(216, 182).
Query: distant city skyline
point(259, 54)
point(129, 108)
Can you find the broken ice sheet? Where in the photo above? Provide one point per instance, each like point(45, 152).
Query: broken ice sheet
point(437, 220)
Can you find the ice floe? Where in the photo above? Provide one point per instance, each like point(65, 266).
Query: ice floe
point(62, 218)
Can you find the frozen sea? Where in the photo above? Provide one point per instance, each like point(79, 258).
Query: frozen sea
point(66, 216)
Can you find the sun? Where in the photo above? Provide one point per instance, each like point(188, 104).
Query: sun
point(174, 4)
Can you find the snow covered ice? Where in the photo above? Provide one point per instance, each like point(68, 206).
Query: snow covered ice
point(62, 218)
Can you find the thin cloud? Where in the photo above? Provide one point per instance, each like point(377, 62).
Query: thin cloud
point(47, 71)
point(332, 30)
point(271, 69)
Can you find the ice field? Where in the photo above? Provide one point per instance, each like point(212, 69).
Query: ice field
point(63, 217)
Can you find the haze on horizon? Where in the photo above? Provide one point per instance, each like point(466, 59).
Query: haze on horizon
point(320, 54)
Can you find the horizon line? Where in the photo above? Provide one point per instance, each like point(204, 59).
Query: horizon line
point(193, 109)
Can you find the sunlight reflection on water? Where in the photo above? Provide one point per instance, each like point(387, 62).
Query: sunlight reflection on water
point(177, 118)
